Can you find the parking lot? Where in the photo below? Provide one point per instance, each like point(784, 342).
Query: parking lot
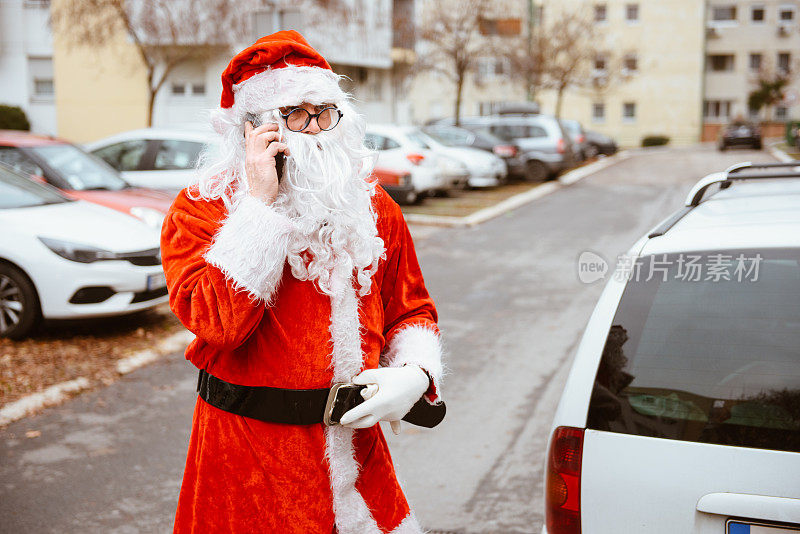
point(511, 310)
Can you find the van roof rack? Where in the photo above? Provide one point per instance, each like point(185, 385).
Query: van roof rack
point(734, 173)
point(725, 180)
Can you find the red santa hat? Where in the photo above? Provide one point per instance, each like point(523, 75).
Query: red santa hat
point(278, 70)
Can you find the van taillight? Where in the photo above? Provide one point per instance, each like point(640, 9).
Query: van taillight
point(560, 145)
point(563, 497)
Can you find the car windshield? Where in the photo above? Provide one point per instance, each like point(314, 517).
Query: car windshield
point(77, 170)
point(420, 139)
point(706, 350)
point(447, 137)
point(20, 192)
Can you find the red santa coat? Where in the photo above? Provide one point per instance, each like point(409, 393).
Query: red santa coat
point(257, 325)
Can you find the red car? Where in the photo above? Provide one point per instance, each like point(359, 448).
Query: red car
point(396, 183)
point(80, 175)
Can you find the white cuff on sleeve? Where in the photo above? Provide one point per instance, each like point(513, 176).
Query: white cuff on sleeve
point(251, 246)
point(417, 345)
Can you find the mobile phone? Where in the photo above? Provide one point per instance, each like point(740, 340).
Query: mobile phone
point(255, 120)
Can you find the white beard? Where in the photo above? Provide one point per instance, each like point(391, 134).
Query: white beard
point(325, 192)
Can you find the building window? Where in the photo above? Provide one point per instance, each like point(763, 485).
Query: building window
point(630, 64)
point(784, 62)
point(178, 89)
point(781, 113)
point(629, 111)
point(268, 21)
point(502, 27)
point(757, 14)
point(632, 12)
point(755, 62)
point(598, 112)
point(41, 85)
point(600, 13)
point(717, 110)
point(43, 88)
point(786, 14)
point(198, 89)
point(724, 13)
point(492, 67)
point(600, 64)
point(720, 62)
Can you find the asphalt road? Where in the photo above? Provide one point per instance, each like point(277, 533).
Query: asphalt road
point(511, 310)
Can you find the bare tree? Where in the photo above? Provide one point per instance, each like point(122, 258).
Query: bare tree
point(569, 45)
point(529, 62)
point(165, 33)
point(453, 42)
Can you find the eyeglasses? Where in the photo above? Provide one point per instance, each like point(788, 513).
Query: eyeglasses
point(298, 119)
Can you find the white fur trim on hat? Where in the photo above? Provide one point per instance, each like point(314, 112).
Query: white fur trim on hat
point(251, 246)
point(287, 86)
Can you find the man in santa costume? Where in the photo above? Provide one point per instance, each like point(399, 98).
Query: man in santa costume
point(295, 284)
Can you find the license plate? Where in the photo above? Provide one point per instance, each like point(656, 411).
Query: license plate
point(156, 281)
point(737, 526)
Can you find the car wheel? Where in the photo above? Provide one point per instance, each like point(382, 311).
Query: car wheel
point(536, 171)
point(19, 304)
point(758, 146)
point(411, 197)
point(723, 147)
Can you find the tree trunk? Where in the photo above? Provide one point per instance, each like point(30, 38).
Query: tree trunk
point(459, 88)
point(151, 99)
point(559, 100)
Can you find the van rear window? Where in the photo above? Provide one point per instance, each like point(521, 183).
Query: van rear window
point(708, 353)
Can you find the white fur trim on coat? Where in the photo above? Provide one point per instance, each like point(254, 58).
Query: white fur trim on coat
point(417, 345)
point(351, 511)
point(286, 86)
point(409, 525)
point(251, 248)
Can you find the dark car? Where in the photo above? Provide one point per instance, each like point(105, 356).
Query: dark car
point(508, 151)
point(600, 144)
point(740, 133)
point(544, 144)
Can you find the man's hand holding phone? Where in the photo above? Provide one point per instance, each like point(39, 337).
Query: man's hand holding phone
point(262, 145)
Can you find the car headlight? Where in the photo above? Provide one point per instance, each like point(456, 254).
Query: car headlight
point(149, 216)
point(77, 251)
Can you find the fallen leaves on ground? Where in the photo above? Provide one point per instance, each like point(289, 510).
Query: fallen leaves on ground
point(66, 350)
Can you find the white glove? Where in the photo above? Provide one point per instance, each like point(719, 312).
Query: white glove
point(398, 389)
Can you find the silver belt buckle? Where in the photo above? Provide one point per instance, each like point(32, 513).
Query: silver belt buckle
point(331, 404)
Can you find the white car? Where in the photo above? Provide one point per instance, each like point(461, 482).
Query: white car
point(681, 412)
point(63, 258)
point(158, 158)
point(400, 149)
point(485, 169)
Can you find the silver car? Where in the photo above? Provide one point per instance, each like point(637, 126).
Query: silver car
point(545, 146)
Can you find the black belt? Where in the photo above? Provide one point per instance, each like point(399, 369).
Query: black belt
point(300, 406)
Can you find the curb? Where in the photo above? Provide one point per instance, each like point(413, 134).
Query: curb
point(57, 393)
point(520, 199)
point(779, 154)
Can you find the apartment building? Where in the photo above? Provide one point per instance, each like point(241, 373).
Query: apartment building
point(102, 91)
point(651, 51)
point(26, 62)
point(746, 40)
